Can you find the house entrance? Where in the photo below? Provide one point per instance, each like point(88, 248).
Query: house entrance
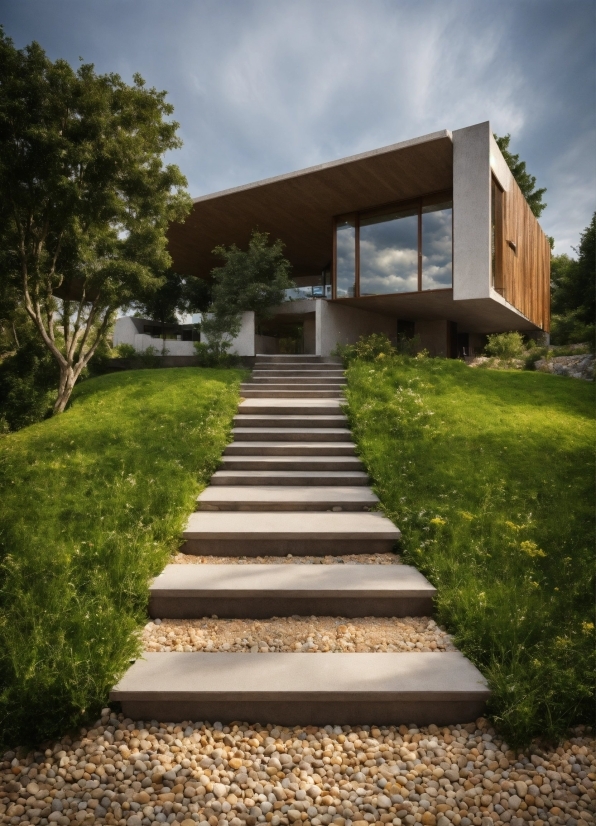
point(276, 336)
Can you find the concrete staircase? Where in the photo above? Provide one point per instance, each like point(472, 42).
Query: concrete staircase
point(291, 483)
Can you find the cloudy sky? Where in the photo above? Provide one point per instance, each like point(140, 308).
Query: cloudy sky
point(262, 87)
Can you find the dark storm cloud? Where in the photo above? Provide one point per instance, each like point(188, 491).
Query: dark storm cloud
point(263, 87)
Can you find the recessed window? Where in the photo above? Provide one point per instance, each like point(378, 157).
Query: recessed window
point(400, 249)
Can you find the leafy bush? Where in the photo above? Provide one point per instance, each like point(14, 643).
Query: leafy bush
point(458, 460)
point(505, 345)
point(125, 351)
point(27, 385)
point(375, 347)
point(214, 353)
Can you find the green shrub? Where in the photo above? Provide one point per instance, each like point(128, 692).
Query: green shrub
point(505, 346)
point(27, 385)
point(126, 351)
point(375, 347)
point(215, 353)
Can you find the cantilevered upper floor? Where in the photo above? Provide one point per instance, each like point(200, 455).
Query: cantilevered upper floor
point(430, 229)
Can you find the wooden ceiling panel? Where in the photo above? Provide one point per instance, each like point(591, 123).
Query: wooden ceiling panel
point(299, 208)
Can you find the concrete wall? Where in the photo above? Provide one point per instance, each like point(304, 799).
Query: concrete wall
point(172, 347)
point(471, 212)
point(337, 324)
point(244, 343)
point(125, 331)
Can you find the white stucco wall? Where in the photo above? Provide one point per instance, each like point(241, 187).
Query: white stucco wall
point(244, 343)
point(125, 331)
point(172, 347)
point(471, 212)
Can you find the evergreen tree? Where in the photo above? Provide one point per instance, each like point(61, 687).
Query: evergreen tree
point(525, 181)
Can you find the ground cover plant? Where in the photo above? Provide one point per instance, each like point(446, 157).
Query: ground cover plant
point(92, 504)
point(489, 475)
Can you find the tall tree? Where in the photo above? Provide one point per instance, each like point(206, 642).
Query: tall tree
point(85, 198)
point(573, 291)
point(525, 181)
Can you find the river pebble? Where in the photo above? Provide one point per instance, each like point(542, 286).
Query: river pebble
point(136, 773)
point(352, 559)
point(304, 634)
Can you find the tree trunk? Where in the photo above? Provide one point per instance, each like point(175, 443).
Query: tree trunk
point(68, 379)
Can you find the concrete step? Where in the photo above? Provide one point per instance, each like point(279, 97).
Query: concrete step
point(304, 689)
point(297, 407)
point(256, 392)
point(292, 434)
point(325, 373)
point(286, 498)
point(300, 463)
point(269, 448)
point(277, 420)
point(297, 359)
point(290, 477)
point(334, 381)
point(279, 534)
point(261, 591)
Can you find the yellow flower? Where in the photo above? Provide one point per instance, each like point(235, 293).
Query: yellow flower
point(437, 520)
point(531, 548)
point(466, 515)
point(587, 627)
point(512, 526)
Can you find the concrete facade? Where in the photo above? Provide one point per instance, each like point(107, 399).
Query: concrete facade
point(129, 331)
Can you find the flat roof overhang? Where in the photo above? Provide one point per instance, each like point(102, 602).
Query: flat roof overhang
point(299, 207)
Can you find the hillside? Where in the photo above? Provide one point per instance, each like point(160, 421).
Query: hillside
point(490, 476)
point(93, 502)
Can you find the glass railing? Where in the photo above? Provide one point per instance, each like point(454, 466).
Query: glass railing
point(301, 293)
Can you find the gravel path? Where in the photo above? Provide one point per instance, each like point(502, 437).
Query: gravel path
point(297, 634)
point(123, 773)
point(352, 559)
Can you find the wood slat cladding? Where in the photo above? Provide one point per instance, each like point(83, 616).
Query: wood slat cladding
point(525, 274)
point(299, 208)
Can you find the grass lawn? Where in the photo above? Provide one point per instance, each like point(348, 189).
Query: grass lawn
point(490, 476)
point(91, 505)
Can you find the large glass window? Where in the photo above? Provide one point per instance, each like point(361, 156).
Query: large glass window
point(400, 249)
point(389, 253)
point(345, 251)
point(437, 268)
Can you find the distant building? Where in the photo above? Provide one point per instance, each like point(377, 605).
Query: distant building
point(141, 333)
point(429, 237)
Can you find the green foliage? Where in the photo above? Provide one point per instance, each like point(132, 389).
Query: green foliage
point(214, 353)
point(505, 345)
point(525, 181)
point(253, 279)
point(27, 384)
point(93, 504)
point(375, 347)
point(489, 476)
point(125, 351)
point(573, 292)
point(86, 198)
point(177, 294)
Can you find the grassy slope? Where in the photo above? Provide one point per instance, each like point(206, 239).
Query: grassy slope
point(92, 503)
point(490, 477)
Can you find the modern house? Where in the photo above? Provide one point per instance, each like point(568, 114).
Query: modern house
point(429, 237)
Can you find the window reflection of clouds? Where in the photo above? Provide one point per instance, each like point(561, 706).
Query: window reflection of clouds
point(389, 254)
point(437, 269)
point(346, 259)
